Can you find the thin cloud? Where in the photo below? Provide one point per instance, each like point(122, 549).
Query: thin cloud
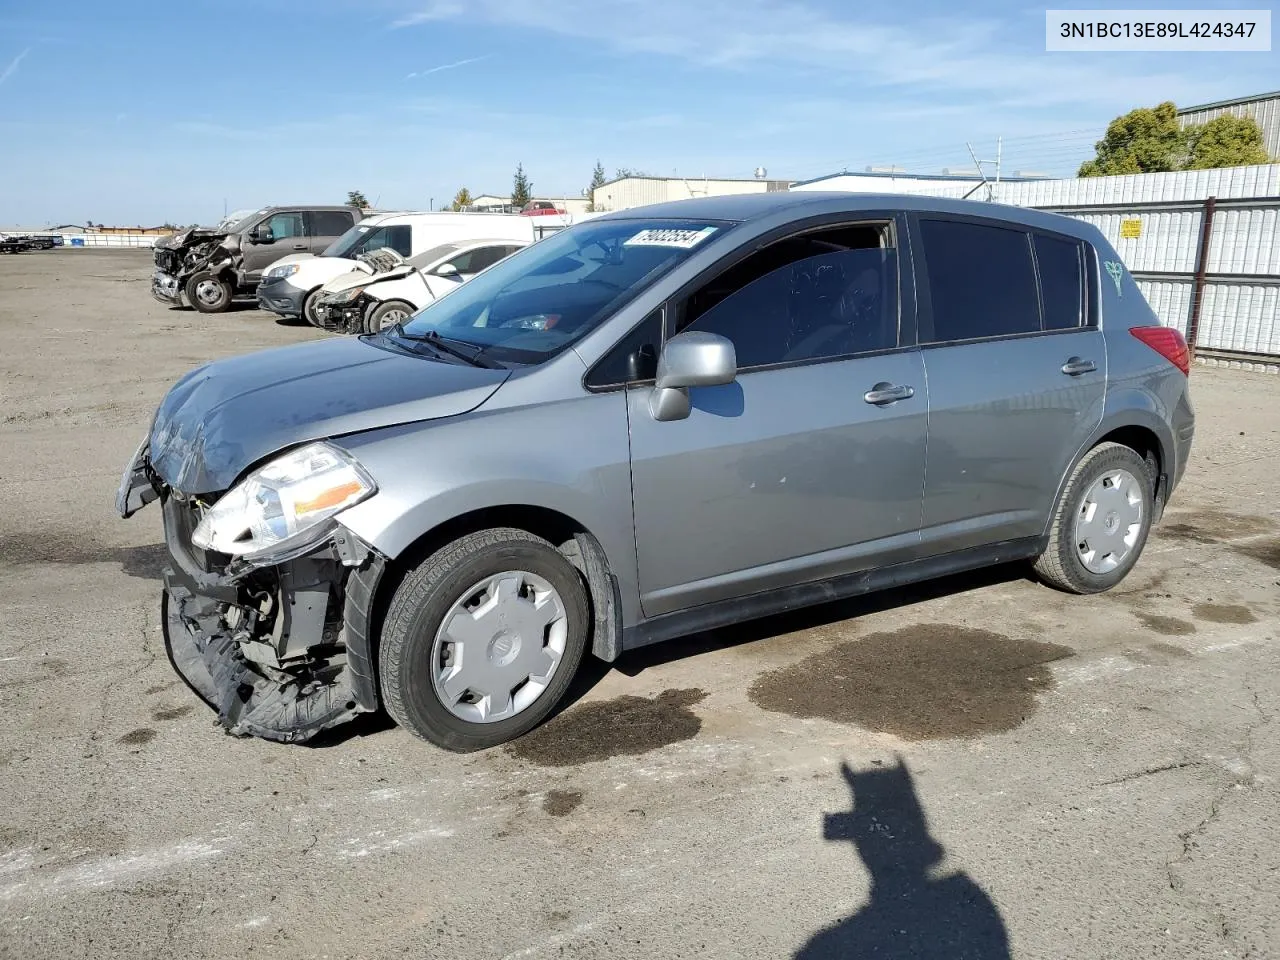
point(446, 66)
point(12, 68)
point(440, 10)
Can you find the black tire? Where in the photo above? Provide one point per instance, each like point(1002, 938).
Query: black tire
point(1060, 565)
point(219, 303)
point(418, 608)
point(309, 307)
point(373, 319)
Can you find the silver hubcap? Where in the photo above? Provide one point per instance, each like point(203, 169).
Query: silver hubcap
point(209, 292)
point(392, 317)
point(1109, 521)
point(499, 646)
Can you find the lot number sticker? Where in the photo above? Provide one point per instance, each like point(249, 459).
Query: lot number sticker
point(684, 239)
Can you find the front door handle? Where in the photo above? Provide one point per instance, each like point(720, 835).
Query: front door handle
point(299, 246)
point(885, 393)
point(1075, 366)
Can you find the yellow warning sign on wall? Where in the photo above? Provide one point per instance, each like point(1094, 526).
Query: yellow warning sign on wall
point(1130, 229)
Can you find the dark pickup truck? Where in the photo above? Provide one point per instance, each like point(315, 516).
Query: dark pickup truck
point(206, 267)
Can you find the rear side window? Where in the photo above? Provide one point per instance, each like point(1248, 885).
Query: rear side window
point(330, 223)
point(982, 282)
point(1058, 261)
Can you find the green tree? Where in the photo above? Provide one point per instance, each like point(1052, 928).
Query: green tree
point(357, 199)
point(597, 181)
point(1146, 140)
point(629, 172)
point(462, 199)
point(1226, 141)
point(521, 188)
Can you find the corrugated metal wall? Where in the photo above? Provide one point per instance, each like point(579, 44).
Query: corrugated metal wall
point(1265, 112)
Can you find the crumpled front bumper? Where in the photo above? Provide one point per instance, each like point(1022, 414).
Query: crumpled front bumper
point(166, 288)
point(279, 652)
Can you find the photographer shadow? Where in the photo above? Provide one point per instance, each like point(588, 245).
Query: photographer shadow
point(913, 911)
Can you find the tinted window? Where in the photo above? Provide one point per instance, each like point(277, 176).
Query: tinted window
point(330, 223)
point(284, 225)
point(398, 240)
point(981, 281)
point(830, 304)
point(1061, 287)
point(634, 358)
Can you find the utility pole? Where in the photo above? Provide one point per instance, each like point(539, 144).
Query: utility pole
point(981, 173)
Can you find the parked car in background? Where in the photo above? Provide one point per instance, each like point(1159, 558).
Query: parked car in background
point(291, 287)
point(206, 267)
point(656, 422)
point(386, 290)
point(542, 208)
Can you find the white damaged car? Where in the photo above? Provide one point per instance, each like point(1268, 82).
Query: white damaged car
point(385, 288)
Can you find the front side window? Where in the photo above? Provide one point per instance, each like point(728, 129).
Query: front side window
point(982, 282)
point(831, 293)
point(532, 305)
point(286, 225)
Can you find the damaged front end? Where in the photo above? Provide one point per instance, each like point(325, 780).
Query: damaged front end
point(182, 255)
point(276, 641)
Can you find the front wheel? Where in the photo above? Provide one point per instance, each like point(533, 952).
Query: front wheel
point(207, 293)
point(481, 641)
point(1101, 522)
point(386, 315)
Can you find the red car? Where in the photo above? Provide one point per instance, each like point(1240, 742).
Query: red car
point(540, 208)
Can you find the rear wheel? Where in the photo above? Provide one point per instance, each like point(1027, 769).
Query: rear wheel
point(207, 293)
point(387, 315)
point(1101, 523)
point(481, 641)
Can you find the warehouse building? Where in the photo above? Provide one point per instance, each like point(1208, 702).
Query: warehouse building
point(624, 193)
point(1262, 107)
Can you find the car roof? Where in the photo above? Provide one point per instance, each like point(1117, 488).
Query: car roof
point(743, 208)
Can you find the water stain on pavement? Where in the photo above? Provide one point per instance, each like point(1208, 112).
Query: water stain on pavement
point(136, 738)
point(561, 803)
point(1267, 552)
point(145, 562)
point(1212, 526)
point(1223, 613)
point(934, 681)
point(1158, 654)
point(610, 728)
point(1168, 626)
point(172, 713)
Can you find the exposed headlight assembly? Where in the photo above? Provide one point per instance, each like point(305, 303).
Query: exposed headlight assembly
point(346, 296)
point(286, 506)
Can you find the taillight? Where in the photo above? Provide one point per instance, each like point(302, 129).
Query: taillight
point(1167, 342)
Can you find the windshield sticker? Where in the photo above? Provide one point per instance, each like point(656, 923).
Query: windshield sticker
point(684, 239)
point(1116, 271)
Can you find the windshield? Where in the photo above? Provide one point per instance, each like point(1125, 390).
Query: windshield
point(239, 222)
point(533, 304)
point(343, 246)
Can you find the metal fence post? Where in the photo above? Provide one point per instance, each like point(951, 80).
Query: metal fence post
point(1202, 267)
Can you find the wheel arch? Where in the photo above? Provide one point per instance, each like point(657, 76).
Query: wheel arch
point(570, 536)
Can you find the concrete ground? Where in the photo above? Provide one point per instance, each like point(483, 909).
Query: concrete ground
point(979, 767)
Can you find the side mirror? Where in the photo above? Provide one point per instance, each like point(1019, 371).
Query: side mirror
point(262, 234)
point(446, 270)
point(693, 359)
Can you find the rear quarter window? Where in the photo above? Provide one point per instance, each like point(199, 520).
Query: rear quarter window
point(1059, 263)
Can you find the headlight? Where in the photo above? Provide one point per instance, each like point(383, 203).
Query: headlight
point(284, 505)
point(346, 296)
point(288, 270)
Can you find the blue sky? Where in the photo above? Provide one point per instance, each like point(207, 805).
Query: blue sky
point(139, 112)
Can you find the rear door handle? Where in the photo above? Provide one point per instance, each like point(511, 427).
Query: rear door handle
point(884, 393)
point(1075, 366)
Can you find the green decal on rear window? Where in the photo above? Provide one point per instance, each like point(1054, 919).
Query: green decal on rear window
point(685, 239)
point(1115, 269)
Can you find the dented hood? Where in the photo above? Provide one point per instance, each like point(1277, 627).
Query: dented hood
point(227, 415)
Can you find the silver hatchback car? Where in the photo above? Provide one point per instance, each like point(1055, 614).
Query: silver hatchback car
point(655, 422)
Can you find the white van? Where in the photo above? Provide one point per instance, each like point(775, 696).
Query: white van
point(289, 286)
point(386, 289)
